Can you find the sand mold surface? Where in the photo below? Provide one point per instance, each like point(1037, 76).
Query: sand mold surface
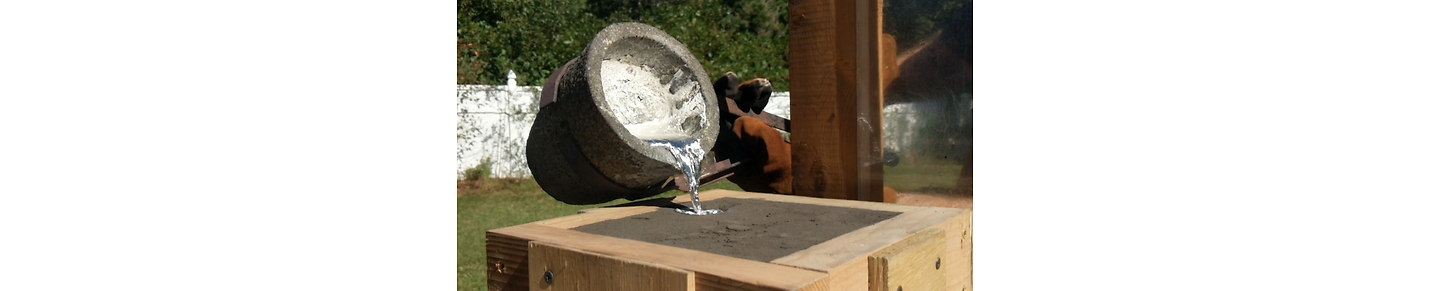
point(750, 228)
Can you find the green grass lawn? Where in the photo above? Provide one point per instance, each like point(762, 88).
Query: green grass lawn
point(506, 204)
point(909, 177)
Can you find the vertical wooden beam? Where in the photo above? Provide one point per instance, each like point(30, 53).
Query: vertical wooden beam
point(814, 116)
point(869, 27)
point(846, 78)
point(835, 91)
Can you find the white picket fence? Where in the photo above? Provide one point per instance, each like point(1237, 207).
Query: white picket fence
point(493, 122)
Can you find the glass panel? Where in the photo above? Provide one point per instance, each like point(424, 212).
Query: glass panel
point(928, 101)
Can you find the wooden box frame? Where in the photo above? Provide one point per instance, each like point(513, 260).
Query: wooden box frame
point(922, 248)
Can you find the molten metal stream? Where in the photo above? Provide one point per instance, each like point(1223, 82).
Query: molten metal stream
point(688, 155)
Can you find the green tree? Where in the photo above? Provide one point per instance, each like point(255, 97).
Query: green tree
point(533, 38)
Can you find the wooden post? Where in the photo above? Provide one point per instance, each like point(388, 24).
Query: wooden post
point(869, 99)
point(836, 98)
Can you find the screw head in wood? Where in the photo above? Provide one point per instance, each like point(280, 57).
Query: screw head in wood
point(548, 277)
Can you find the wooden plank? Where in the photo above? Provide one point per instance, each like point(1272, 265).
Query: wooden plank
point(823, 201)
point(713, 194)
point(506, 262)
point(855, 245)
point(818, 157)
point(867, 29)
point(711, 271)
point(852, 276)
point(836, 145)
point(594, 215)
point(571, 270)
point(846, 84)
point(913, 264)
point(958, 260)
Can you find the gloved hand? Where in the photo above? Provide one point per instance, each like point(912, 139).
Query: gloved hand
point(769, 168)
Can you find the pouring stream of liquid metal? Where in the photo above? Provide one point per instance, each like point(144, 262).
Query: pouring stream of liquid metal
point(688, 155)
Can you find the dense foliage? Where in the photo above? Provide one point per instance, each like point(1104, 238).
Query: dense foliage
point(911, 22)
point(535, 37)
point(748, 37)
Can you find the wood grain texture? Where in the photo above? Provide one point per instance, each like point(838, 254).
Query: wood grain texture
point(713, 194)
point(816, 119)
point(711, 271)
point(830, 202)
point(958, 259)
point(852, 276)
point(506, 262)
point(573, 270)
point(857, 244)
point(867, 29)
point(846, 103)
point(914, 264)
point(835, 94)
point(594, 215)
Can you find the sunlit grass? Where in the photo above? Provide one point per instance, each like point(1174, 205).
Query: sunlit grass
point(925, 177)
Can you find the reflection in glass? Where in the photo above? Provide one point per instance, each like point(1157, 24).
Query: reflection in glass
point(928, 97)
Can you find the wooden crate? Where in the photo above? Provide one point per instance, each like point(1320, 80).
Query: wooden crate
point(922, 248)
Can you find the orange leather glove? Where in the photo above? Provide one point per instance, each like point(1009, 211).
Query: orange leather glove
point(769, 168)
